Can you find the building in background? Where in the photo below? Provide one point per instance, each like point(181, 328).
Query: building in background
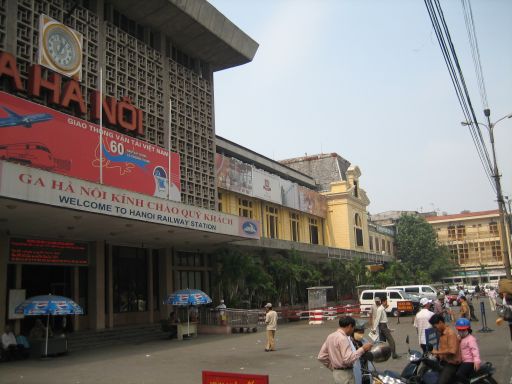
point(474, 240)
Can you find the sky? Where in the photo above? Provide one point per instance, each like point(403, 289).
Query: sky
point(367, 80)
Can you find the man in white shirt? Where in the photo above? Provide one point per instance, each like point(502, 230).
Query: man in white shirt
point(421, 322)
point(271, 322)
point(381, 324)
point(492, 298)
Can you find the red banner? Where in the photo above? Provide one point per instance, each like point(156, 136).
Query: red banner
point(41, 137)
point(210, 377)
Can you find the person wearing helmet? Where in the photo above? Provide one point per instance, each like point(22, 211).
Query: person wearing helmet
point(469, 351)
point(357, 339)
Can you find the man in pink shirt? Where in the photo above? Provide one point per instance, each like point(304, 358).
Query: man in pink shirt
point(337, 352)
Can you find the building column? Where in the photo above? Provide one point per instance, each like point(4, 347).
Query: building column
point(151, 305)
point(4, 256)
point(76, 295)
point(110, 289)
point(165, 278)
point(18, 285)
point(97, 287)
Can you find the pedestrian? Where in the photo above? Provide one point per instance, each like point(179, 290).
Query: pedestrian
point(464, 308)
point(339, 354)
point(9, 344)
point(442, 307)
point(373, 312)
point(362, 365)
point(421, 322)
point(221, 308)
point(448, 352)
point(271, 322)
point(477, 291)
point(492, 298)
point(381, 324)
point(469, 351)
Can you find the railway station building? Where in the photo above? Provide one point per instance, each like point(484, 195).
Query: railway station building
point(114, 188)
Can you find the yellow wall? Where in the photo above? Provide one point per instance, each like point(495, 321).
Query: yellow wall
point(342, 206)
point(229, 204)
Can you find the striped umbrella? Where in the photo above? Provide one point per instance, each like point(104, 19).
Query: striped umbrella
point(48, 305)
point(188, 297)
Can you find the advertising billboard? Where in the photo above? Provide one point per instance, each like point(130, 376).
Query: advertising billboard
point(233, 175)
point(44, 138)
point(266, 186)
point(312, 202)
point(290, 194)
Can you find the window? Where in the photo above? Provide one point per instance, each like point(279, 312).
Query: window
point(427, 289)
point(461, 231)
point(412, 289)
point(389, 247)
point(271, 220)
point(451, 232)
point(493, 228)
point(384, 245)
point(313, 230)
point(245, 208)
point(371, 243)
point(377, 247)
point(394, 295)
point(463, 253)
point(130, 278)
point(219, 202)
point(358, 230)
point(368, 296)
point(496, 251)
point(356, 191)
point(294, 226)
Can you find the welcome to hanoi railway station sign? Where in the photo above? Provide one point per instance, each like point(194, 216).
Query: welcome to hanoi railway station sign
point(38, 186)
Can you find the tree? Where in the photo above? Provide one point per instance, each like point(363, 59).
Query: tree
point(418, 250)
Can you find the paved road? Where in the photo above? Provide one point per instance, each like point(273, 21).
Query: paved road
point(172, 361)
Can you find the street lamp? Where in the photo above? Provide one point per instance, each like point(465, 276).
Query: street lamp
point(496, 175)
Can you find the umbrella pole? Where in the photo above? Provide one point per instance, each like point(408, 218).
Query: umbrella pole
point(188, 321)
point(46, 344)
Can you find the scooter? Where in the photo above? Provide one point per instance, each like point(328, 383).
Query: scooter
point(424, 368)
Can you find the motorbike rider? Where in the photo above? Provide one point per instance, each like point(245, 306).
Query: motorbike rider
point(449, 349)
point(362, 365)
point(470, 353)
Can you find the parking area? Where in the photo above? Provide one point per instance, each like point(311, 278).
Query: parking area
point(172, 361)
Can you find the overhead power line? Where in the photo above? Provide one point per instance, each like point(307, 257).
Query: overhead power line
point(475, 51)
point(452, 63)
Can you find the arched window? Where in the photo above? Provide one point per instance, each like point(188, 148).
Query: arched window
point(358, 230)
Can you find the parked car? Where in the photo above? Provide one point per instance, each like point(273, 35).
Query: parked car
point(420, 290)
point(367, 298)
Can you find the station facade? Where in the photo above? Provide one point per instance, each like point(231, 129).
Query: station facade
point(114, 189)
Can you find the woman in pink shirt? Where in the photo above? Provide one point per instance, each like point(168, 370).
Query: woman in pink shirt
point(469, 351)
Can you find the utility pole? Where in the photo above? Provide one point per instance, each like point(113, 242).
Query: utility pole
point(499, 194)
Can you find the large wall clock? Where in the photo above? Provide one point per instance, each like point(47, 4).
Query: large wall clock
point(60, 48)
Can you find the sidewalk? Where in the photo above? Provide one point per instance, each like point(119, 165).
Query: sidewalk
point(172, 361)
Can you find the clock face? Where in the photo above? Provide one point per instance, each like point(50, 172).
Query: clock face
point(61, 47)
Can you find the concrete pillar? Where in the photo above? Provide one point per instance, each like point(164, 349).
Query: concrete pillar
point(97, 287)
point(4, 256)
point(110, 290)
point(75, 295)
point(166, 279)
point(18, 285)
point(151, 304)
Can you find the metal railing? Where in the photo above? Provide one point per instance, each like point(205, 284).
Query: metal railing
point(248, 318)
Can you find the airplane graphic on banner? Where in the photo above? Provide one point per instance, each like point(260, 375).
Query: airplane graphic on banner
point(26, 121)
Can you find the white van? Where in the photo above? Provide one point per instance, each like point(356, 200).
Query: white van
point(419, 290)
point(367, 299)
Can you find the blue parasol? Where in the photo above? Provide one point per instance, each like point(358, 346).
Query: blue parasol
point(188, 297)
point(48, 305)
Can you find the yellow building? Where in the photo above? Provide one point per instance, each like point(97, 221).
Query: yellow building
point(474, 239)
point(318, 216)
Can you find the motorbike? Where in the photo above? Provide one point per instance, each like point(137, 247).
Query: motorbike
point(424, 368)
